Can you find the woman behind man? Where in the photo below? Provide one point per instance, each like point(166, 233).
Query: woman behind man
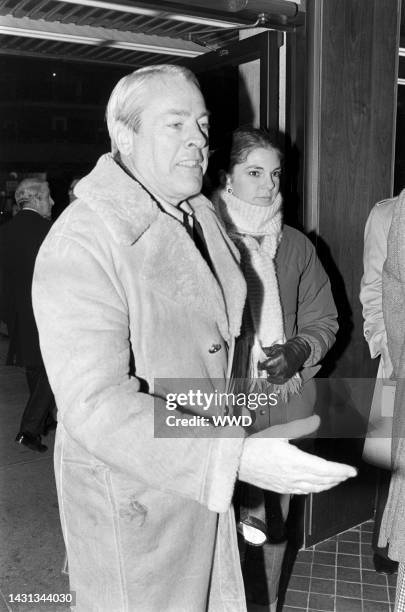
point(290, 322)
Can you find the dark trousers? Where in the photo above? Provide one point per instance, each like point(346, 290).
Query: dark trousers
point(41, 402)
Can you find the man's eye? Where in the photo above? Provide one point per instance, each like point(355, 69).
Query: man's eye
point(177, 125)
point(205, 127)
point(277, 173)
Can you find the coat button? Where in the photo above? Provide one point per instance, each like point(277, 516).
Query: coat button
point(215, 348)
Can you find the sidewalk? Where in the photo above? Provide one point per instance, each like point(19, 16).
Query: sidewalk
point(32, 549)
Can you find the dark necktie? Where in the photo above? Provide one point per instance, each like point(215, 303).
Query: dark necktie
point(195, 231)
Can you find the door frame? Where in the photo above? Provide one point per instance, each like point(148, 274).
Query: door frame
point(265, 47)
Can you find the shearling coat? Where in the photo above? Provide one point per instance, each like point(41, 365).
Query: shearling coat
point(146, 520)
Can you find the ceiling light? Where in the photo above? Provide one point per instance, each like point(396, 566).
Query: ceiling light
point(213, 23)
point(136, 10)
point(87, 40)
point(112, 6)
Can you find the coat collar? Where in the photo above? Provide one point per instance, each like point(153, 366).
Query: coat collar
point(128, 211)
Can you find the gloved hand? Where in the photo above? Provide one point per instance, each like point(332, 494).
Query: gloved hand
point(269, 462)
point(284, 360)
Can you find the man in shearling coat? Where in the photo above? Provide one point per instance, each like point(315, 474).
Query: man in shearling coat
point(137, 293)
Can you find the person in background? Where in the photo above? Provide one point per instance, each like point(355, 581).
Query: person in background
point(375, 253)
point(5, 216)
point(137, 291)
point(289, 324)
point(392, 532)
point(22, 238)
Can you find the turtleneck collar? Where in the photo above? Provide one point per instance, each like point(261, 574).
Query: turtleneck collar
point(245, 218)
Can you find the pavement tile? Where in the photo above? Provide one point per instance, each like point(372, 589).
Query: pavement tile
point(375, 606)
point(375, 593)
point(327, 546)
point(296, 598)
point(321, 602)
point(324, 558)
point(348, 560)
point(301, 569)
point(348, 589)
point(351, 548)
point(299, 583)
point(373, 577)
point(323, 571)
point(322, 585)
point(346, 604)
point(348, 574)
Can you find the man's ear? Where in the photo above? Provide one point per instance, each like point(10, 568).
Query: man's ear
point(124, 138)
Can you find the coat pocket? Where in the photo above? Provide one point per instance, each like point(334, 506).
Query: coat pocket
point(90, 516)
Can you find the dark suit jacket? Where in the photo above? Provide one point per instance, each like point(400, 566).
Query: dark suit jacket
point(21, 239)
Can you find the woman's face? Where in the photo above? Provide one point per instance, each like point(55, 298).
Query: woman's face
point(257, 179)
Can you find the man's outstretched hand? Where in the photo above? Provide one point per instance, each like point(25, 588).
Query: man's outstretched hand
point(268, 461)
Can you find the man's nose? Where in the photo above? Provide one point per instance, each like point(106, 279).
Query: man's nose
point(196, 137)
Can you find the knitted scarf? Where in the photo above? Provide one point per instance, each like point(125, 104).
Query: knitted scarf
point(257, 231)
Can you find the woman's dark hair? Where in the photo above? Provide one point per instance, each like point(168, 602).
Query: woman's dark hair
point(237, 147)
point(245, 140)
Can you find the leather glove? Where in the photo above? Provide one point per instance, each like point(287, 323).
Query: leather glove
point(284, 360)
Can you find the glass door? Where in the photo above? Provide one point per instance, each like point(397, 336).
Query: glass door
point(240, 84)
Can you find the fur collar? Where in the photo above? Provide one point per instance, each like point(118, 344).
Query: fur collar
point(174, 263)
point(126, 208)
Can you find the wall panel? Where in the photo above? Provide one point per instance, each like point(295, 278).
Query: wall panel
point(357, 120)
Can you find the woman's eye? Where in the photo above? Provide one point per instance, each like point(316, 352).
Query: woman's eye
point(277, 174)
point(176, 125)
point(254, 173)
point(205, 127)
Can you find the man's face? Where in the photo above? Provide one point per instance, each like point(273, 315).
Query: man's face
point(170, 149)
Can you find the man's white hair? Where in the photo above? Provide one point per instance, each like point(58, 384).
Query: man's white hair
point(29, 191)
point(127, 100)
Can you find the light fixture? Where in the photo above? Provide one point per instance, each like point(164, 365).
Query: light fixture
point(401, 81)
point(137, 10)
point(88, 40)
point(402, 51)
point(262, 21)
